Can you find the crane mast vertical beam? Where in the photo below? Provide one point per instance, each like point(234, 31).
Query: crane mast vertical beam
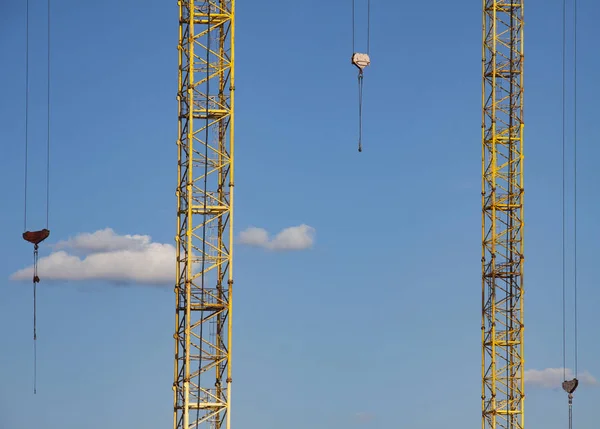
point(204, 240)
point(502, 216)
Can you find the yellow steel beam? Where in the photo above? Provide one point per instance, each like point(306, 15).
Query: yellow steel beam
point(502, 216)
point(202, 370)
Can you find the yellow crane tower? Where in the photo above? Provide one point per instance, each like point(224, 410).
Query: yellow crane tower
point(502, 215)
point(202, 373)
point(202, 370)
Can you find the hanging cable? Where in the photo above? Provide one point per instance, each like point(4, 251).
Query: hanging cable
point(569, 385)
point(35, 252)
point(361, 60)
point(48, 131)
point(368, 26)
point(353, 29)
point(360, 89)
point(575, 178)
point(564, 339)
point(35, 257)
point(36, 237)
point(26, 107)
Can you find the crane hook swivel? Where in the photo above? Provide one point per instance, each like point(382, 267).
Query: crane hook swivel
point(360, 61)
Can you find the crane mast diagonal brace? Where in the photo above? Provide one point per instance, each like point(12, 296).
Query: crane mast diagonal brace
point(502, 259)
point(204, 240)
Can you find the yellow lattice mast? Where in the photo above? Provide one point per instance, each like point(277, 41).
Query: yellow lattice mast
point(202, 380)
point(502, 216)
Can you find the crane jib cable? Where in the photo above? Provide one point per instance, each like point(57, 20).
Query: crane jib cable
point(569, 386)
point(361, 60)
point(36, 237)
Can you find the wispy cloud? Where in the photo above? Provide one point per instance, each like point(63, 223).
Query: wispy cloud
point(104, 240)
point(122, 259)
point(299, 237)
point(106, 255)
point(552, 378)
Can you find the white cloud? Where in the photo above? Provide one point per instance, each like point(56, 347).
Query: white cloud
point(110, 257)
point(254, 237)
point(105, 240)
point(552, 378)
point(299, 237)
point(107, 256)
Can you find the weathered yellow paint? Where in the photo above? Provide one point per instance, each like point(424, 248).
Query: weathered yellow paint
point(202, 370)
point(502, 216)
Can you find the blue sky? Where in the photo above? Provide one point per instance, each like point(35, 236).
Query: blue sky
point(376, 325)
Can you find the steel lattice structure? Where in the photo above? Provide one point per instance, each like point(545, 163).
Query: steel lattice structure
point(502, 215)
point(202, 379)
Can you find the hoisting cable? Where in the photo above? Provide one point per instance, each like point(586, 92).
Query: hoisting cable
point(360, 90)
point(36, 237)
point(26, 108)
point(368, 26)
point(564, 271)
point(570, 386)
point(576, 345)
point(361, 60)
point(48, 128)
point(353, 25)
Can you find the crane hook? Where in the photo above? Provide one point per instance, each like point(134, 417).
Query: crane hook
point(360, 61)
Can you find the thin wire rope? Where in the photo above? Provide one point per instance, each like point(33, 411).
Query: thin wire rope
point(575, 176)
point(353, 30)
point(26, 108)
point(360, 74)
point(35, 257)
point(564, 339)
point(360, 87)
point(26, 177)
point(48, 131)
point(368, 27)
point(570, 413)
